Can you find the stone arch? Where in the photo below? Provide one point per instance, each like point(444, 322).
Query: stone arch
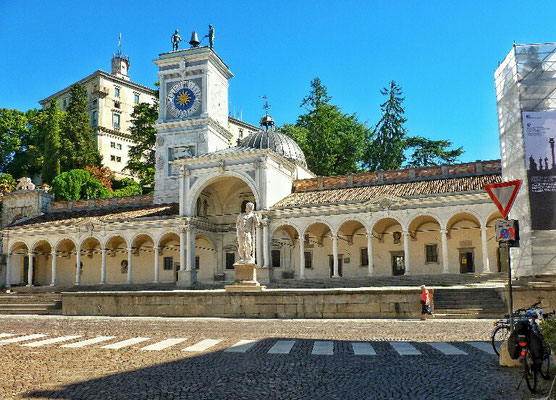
point(353, 245)
point(204, 182)
point(465, 215)
point(292, 234)
point(205, 257)
point(40, 241)
point(418, 221)
point(382, 225)
point(115, 236)
point(88, 238)
point(66, 253)
point(165, 234)
point(318, 221)
point(90, 248)
point(389, 246)
point(497, 215)
point(62, 240)
point(18, 244)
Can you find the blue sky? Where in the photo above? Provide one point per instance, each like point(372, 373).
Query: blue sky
point(443, 54)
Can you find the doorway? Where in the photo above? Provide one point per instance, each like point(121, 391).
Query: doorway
point(340, 264)
point(398, 263)
point(466, 264)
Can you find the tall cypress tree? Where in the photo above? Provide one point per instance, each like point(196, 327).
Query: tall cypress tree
point(51, 163)
point(143, 131)
point(385, 150)
point(77, 141)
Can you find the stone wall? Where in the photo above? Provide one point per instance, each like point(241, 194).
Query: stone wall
point(402, 175)
point(532, 293)
point(328, 303)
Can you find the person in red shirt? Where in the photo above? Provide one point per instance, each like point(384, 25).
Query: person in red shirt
point(425, 302)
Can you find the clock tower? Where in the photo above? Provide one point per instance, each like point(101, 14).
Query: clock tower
point(193, 113)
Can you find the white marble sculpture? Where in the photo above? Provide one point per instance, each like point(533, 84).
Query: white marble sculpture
point(245, 226)
point(25, 184)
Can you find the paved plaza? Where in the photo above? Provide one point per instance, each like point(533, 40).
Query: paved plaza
point(163, 358)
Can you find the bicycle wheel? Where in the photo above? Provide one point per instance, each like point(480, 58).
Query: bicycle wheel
point(499, 335)
point(546, 362)
point(530, 372)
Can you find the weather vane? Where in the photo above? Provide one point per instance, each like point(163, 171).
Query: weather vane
point(266, 105)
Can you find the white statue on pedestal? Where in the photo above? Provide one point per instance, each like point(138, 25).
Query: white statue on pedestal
point(245, 226)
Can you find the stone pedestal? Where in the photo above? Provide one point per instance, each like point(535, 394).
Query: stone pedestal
point(505, 359)
point(265, 275)
point(246, 279)
point(186, 278)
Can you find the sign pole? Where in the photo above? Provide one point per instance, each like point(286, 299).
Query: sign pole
point(511, 298)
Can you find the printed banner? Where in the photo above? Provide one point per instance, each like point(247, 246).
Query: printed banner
point(539, 133)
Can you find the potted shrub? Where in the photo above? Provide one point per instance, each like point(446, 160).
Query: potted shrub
point(548, 330)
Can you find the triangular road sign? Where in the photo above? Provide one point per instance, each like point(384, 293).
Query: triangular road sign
point(503, 194)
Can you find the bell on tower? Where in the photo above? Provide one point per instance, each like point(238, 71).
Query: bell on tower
point(120, 62)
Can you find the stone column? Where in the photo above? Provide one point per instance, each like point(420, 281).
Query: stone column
point(182, 249)
point(190, 266)
point(77, 266)
point(54, 260)
point(183, 188)
point(407, 262)
point(301, 257)
point(444, 240)
point(103, 266)
point(484, 249)
point(266, 244)
point(30, 271)
point(156, 263)
point(371, 267)
point(259, 247)
point(335, 256)
point(9, 261)
point(129, 266)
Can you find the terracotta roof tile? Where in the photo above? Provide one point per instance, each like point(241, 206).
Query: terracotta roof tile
point(407, 189)
point(101, 214)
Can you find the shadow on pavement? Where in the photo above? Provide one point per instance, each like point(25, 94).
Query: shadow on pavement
point(256, 374)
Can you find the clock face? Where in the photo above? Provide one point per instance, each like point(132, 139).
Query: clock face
point(183, 99)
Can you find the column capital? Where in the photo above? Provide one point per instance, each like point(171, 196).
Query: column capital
point(443, 231)
point(186, 228)
point(53, 253)
point(334, 236)
point(405, 233)
point(369, 235)
point(265, 222)
point(484, 228)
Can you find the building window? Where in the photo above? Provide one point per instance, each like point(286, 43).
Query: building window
point(308, 260)
point(94, 120)
point(65, 102)
point(136, 99)
point(431, 251)
point(116, 104)
point(230, 260)
point(95, 102)
point(275, 257)
point(197, 262)
point(116, 120)
point(119, 146)
point(86, 93)
point(113, 145)
point(168, 263)
point(119, 159)
point(364, 257)
point(112, 158)
point(117, 92)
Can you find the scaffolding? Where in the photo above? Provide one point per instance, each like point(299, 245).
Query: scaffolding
point(525, 81)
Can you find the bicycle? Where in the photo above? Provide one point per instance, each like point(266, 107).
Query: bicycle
point(501, 330)
point(530, 340)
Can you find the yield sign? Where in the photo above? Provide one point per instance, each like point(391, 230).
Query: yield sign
point(503, 194)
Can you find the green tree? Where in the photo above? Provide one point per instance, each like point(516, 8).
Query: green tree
point(427, 152)
point(27, 159)
point(331, 140)
point(51, 162)
point(143, 131)
point(13, 127)
point(126, 187)
point(385, 150)
point(78, 184)
point(76, 139)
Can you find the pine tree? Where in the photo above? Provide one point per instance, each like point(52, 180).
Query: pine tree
point(385, 150)
point(428, 152)
point(143, 131)
point(51, 163)
point(331, 140)
point(79, 150)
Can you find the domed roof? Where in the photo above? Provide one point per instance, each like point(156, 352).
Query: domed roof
point(280, 143)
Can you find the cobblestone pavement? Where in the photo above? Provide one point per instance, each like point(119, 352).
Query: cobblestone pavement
point(138, 358)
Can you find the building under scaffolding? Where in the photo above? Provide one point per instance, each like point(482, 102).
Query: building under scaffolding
point(526, 88)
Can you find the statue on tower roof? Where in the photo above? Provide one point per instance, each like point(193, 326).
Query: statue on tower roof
point(176, 39)
point(211, 36)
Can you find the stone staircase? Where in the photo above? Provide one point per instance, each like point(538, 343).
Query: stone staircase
point(31, 303)
point(468, 303)
point(448, 280)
